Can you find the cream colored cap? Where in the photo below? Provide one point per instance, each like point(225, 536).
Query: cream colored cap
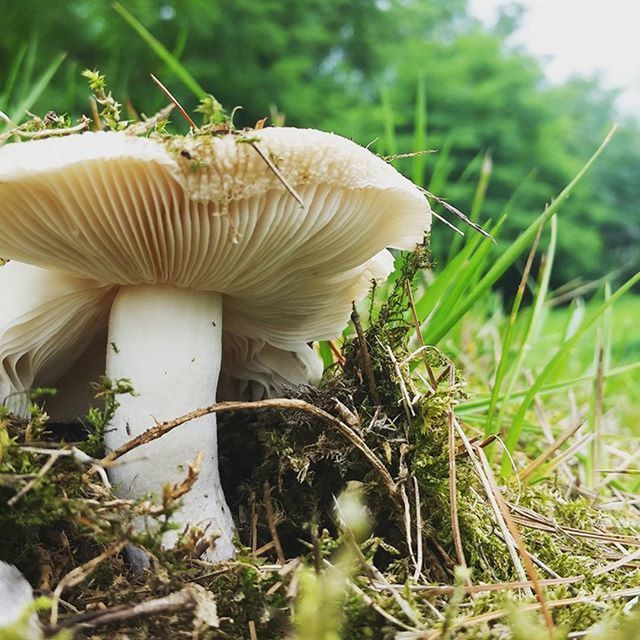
point(207, 212)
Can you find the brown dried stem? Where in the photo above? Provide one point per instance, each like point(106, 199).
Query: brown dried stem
point(277, 173)
point(79, 574)
point(286, 404)
point(271, 521)
point(367, 368)
point(515, 533)
point(171, 97)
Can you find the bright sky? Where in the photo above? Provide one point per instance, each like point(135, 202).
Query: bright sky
point(581, 37)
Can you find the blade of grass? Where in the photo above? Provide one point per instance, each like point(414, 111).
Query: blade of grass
point(483, 402)
point(38, 88)
point(486, 168)
point(181, 41)
point(478, 196)
point(534, 327)
point(326, 354)
point(575, 318)
point(463, 283)
point(443, 166)
point(472, 167)
point(10, 81)
point(506, 259)
point(178, 69)
point(433, 295)
point(388, 122)
point(25, 79)
point(418, 162)
point(514, 431)
point(508, 338)
point(594, 459)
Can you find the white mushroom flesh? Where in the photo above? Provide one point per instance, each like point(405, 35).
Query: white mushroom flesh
point(167, 341)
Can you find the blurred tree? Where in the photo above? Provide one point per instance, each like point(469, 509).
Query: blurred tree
point(326, 64)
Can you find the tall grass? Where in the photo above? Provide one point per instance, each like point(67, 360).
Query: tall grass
point(24, 83)
point(464, 286)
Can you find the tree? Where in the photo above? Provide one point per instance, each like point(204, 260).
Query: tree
point(328, 65)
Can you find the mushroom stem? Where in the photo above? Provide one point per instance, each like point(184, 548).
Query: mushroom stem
point(168, 342)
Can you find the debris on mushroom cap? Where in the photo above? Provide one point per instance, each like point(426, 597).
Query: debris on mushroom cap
point(126, 210)
point(46, 319)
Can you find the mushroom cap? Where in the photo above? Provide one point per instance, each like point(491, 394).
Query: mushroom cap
point(46, 320)
point(254, 369)
point(210, 213)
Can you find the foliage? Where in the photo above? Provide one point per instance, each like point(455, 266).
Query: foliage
point(344, 66)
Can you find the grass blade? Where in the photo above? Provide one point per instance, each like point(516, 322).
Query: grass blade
point(388, 121)
point(534, 327)
point(443, 167)
point(594, 459)
point(434, 293)
point(418, 162)
point(16, 64)
point(482, 402)
point(562, 353)
point(508, 257)
point(177, 68)
point(38, 88)
point(508, 339)
point(440, 322)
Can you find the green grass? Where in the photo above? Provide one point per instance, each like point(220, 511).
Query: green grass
point(25, 82)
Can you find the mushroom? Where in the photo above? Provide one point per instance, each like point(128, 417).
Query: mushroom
point(254, 369)
point(270, 234)
point(18, 618)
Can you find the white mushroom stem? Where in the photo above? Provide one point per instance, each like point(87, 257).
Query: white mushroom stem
point(167, 341)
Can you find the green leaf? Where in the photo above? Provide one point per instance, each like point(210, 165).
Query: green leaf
point(178, 69)
point(37, 89)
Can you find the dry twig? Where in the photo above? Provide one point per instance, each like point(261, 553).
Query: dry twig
point(179, 601)
point(144, 126)
point(550, 450)
point(271, 521)
point(173, 99)
point(277, 173)
point(515, 532)
point(367, 368)
point(286, 404)
point(492, 501)
point(79, 574)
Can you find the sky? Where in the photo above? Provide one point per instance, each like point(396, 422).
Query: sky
point(580, 37)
